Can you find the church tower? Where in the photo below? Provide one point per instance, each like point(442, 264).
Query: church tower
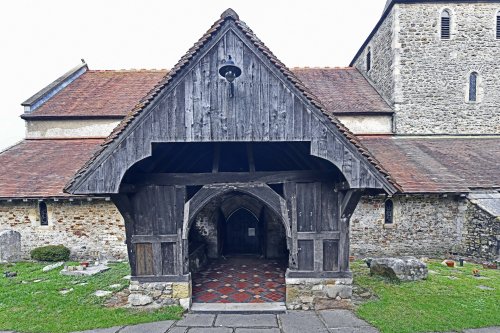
point(438, 64)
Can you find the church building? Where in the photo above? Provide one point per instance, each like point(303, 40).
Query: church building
point(231, 172)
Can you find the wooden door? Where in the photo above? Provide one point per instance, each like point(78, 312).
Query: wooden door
point(242, 233)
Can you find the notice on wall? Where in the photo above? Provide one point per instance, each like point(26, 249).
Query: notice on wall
point(251, 232)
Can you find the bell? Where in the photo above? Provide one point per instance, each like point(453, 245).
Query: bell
point(229, 70)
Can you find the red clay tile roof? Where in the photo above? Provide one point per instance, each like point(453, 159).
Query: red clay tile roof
point(100, 93)
point(184, 61)
point(114, 93)
point(343, 90)
point(439, 164)
point(41, 168)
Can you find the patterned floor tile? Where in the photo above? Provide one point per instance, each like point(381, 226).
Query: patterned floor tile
point(240, 280)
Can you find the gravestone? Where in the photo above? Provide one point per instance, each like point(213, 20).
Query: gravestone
point(10, 246)
point(404, 269)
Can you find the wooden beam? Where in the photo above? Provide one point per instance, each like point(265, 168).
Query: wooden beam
point(216, 158)
point(268, 177)
point(251, 160)
point(154, 239)
point(333, 235)
point(349, 203)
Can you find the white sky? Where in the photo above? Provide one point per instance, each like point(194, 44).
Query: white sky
point(41, 40)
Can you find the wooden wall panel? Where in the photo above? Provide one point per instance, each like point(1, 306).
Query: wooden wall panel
point(306, 255)
point(144, 259)
point(168, 258)
point(330, 255)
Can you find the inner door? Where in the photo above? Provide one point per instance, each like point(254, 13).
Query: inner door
point(242, 233)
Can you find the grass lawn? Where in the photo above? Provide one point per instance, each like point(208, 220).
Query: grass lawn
point(28, 306)
point(449, 300)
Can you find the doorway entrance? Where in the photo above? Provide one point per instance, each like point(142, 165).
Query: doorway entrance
point(242, 234)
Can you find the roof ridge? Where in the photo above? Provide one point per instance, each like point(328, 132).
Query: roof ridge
point(129, 70)
point(321, 67)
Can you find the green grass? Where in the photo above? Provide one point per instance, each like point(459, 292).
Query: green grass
point(437, 304)
point(39, 307)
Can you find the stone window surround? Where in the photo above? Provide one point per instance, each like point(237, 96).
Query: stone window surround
point(452, 24)
point(479, 87)
point(368, 59)
point(496, 23)
point(43, 209)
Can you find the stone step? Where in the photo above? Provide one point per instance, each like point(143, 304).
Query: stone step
point(237, 308)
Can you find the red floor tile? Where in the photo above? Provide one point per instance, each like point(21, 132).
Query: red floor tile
point(240, 280)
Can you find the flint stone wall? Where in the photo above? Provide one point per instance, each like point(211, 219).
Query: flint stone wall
point(427, 78)
point(84, 227)
point(482, 234)
point(423, 225)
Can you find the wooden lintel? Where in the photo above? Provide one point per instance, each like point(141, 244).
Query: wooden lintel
point(154, 239)
point(349, 203)
point(333, 235)
point(268, 177)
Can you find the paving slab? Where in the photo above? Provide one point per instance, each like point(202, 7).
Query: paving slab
point(240, 320)
point(302, 321)
point(178, 330)
point(495, 329)
point(196, 320)
point(103, 330)
point(210, 330)
point(366, 329)
point(341, 318)
point(158, 327)
point(239, 308)
point(257, 330)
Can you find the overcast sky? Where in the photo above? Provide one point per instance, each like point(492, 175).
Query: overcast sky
point(41, 40)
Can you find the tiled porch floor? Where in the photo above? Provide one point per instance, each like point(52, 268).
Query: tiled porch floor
point(240, 280)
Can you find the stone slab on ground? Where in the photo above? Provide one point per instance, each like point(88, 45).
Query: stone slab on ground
point(210, 330)
point(495, 329)
point(158, 327)
point(197, 320)
point(302, 321)
point(91, 270)
point(246, 320)
point(104, 330)
point(48, 268)
point(342, 318)
point(178, 330)
point(257, 330)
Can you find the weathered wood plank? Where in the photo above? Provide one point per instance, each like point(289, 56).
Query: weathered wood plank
point(306, 255)
point(330, 255)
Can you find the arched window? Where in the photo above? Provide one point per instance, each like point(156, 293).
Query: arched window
point(473, 87)
point(498, 24)
point(44, 218)
point(369, 59)
point(445, 24)
point(389, 212)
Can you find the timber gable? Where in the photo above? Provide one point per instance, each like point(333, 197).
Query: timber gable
point(191, 104)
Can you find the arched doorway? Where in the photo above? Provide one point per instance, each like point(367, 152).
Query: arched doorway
point(242, 244)
point(242, 234)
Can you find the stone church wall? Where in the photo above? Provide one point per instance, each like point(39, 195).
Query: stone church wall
point(423, 225)
point(426, 79)
point(382, 55)
point(82, 226)
point(481, 234)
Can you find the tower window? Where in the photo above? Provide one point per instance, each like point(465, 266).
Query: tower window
point(473, 87)
point(389, 212)
point(498, 25)
point(445, 24)
point(44, 218)
point(368, 60)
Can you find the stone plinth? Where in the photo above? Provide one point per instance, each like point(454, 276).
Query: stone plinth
point(318, 293)
point(158, 294)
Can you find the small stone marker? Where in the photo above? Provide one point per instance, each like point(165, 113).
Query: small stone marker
point(53, 266)
point(10, 246)
point(89, 271)
point(404, 268)
point(485, 288)
point(65, 291)
point(115, 286)
point(102, 293)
